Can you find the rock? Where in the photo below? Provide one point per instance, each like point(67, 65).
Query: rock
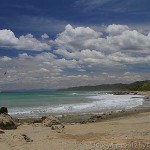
point(96, 117)
point(50, 121)
point(3, 110)
point(7, 122)
point(57, 128)
point(147, 98)
point(27, 139)
point(43, 118)
point(120, 93)
point(1, 132)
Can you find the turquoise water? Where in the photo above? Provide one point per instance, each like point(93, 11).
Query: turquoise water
point(37, 104)
point(27, 99)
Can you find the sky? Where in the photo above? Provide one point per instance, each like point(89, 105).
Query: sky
point(51, 44)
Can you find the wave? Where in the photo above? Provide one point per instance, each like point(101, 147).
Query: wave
point(96, 103)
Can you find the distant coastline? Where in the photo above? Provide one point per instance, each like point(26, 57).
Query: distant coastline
point(135, 86)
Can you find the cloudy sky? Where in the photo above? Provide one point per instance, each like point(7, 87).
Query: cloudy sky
point(63, 43)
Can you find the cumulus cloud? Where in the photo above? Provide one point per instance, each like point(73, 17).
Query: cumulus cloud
point(79, 56)
point(119, 38)
point(43, 70)
point(7, 38)
point(27, 42)
point(44, 36)
point(74, 38)
point(5, 59)
point(116, 29)
point(115, 38)
point(87, 53)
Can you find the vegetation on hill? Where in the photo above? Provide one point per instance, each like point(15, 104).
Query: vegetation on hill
point(136, 86)
point(140, 86)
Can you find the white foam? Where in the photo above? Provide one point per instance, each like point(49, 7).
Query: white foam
point(95, 103)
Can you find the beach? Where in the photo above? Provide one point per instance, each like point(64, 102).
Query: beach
point(114, 130)
point(128, 132)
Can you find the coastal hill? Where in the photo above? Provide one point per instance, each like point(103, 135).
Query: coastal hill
point(136, 86)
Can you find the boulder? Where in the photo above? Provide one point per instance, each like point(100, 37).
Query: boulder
point(7, 122)
point(51, 121)
point(57, 128)
point(3, 110)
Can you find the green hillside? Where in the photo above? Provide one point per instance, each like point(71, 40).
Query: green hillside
point(140, 86)
point(136, 86)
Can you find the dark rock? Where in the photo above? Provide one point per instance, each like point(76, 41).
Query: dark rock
point(27, 139)
point(123, 111)
point(3, 110)
point(96, 117)
point(83, 122)
point(43, 118)
point(120, 93)
point(7, 122)
point(1, 132)
point(146, 97)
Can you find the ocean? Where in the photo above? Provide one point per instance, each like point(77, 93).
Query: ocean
point(40, 103)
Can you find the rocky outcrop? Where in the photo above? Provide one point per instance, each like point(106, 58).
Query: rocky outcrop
point(50, 120)
point(7, 122)
point(3, 110)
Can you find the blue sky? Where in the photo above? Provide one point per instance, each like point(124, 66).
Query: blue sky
point(37, 16)
point(62, 43)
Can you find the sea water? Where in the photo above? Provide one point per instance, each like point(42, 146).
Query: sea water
point(40, 103)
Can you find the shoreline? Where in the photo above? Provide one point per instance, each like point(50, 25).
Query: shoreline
point(89, 117)
point(121, 130)
point(97, 116)
point(80, 113)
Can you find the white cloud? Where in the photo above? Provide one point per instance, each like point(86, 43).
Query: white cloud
point(74, 38)
point(64, 63)
point(130, 40)
point(120, 38)
point(5, 59)
point(116, 29)
point(127, 73)
point(43, 70)
point(87, 57)
point(7, 38)
point(45, 57)
point(105, 73)
point(128, 76)
point(126, 59)
point(27, 42)
point(44, 36)
point(80, 56)
point(24, 56)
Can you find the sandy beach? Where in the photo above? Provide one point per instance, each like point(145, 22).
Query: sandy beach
point(115, 131)
point(129, 132)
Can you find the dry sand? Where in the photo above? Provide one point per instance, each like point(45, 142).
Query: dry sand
point(128, 132)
